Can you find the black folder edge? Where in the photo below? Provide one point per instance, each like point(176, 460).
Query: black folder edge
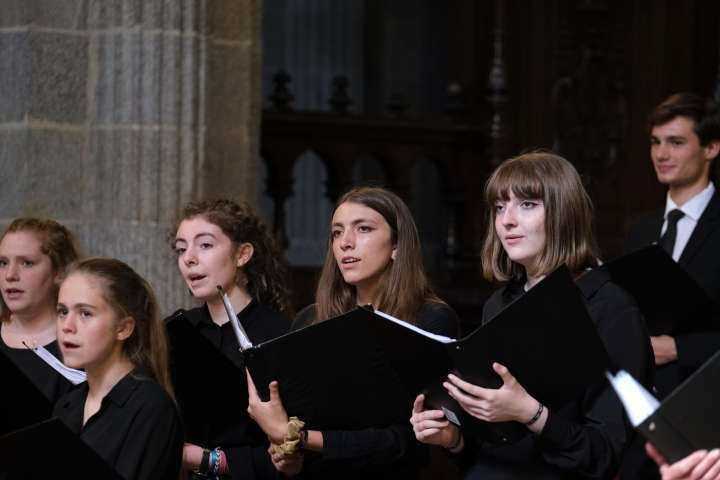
point(30, 452)
point(34, 405)
point(265, 362)
point(661, 430)
point(501, 433)
point(214, 363)
point(699, 311)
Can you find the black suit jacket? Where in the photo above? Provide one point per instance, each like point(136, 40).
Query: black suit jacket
point(701, 259)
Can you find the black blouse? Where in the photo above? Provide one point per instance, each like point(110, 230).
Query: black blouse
point(588, 437)
point(245, 444)
point(46, 379)
point(378, 453)
point(137, 429)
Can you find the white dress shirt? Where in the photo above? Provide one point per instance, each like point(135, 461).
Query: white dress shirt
point(692, 209)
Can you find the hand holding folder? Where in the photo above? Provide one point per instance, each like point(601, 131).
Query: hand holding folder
point(698, 465)
point(686, 421)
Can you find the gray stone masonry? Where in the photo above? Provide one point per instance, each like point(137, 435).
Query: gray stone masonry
point(114, 113)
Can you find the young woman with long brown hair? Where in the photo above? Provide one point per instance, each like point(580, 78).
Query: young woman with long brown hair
point(109, 324)
point(541, 217)
point(222, 242)
point(374, 256)
point(33, 252)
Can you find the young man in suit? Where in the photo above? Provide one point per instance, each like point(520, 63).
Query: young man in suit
point(684, 140)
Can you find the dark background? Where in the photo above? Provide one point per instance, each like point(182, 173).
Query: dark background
point(576, 76)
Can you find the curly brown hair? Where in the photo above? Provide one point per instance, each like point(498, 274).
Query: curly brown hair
point(267, 271)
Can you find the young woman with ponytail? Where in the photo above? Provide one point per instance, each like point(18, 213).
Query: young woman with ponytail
point(222, 242)
point(374, 256)
point(109, 324)
point(33, 252)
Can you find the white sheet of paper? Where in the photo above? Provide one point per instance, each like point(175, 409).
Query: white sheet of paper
point(638, 402)
point(75, 376)
point(439, 338)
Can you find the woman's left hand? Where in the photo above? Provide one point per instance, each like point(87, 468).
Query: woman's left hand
point(271, 416)
point(509, 402)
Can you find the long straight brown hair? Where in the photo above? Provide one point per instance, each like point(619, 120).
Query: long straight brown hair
point(404, 286)
point(129, 295)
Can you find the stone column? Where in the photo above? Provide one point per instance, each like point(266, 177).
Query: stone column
point(114, 113)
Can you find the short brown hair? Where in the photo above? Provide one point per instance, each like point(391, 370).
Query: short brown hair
point(704, 112)
point(569, 236)
point(56, 241)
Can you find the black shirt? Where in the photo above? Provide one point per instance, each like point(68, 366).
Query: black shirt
point(393, 452)
point(245, 444)
point(137, 430)
point(46, 379)
point(588, 437)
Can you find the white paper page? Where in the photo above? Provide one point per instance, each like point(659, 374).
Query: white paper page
point(638, 402)
point(439, 338)
point(75, 376)
point(240, 334)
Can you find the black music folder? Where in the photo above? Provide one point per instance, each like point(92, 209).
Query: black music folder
point(669, 299)
point(546, 339)
point(196, 365)
point(333, 374)
point(22, 403)
point(687, 420)
point(50, 450)
point(359, 369)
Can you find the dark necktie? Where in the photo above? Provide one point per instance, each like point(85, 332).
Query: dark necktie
point(667, 242)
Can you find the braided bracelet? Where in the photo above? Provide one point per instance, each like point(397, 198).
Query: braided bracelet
point(535, 418)
point(457, 443)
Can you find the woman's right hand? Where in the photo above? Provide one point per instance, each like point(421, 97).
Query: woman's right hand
point(271, 416)
point(192, 456)
point(700, 465)
point(288, 465)
point(431, 427)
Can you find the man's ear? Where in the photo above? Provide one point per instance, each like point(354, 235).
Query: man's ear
point(244, 254)
point(126, 327)
point(712, 149)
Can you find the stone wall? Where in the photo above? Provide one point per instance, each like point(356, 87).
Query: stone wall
point(114, 113)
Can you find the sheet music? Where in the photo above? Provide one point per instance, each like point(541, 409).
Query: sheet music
point(240, 334)
point(75, 376)
point(638, 402)
point(439, 338)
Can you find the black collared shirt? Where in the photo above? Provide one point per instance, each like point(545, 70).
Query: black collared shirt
point(137, 430)
point(588, 437)
point(46, 379)
point(378, 453)
point(245, 444)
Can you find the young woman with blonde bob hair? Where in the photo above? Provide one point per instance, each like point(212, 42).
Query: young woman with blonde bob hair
point(541, 217)
point(109, 324)
point(374, 256)
point(33, 253)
